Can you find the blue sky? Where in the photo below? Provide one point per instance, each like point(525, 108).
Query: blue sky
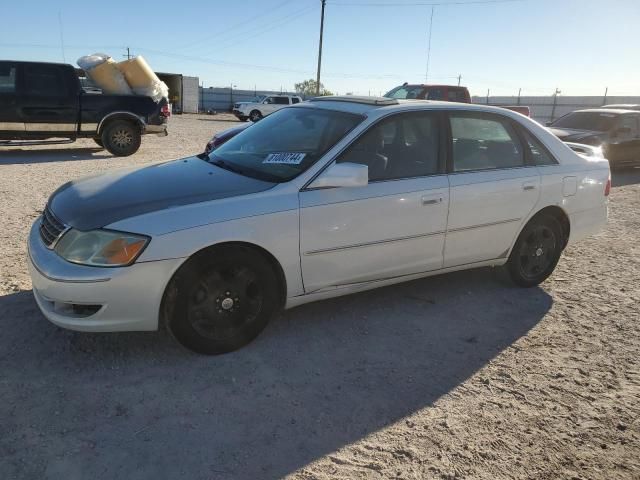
point(579, 46)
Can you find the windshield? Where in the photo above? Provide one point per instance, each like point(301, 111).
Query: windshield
point(286, 143)
point(597, 122)
point(405, 92)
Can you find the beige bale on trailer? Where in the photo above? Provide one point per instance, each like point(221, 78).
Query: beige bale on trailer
point(141, 79)
point(104, 72)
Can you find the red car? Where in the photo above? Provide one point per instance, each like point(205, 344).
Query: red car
point(447, 93)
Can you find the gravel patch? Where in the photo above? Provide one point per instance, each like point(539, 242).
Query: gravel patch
point(457, 376)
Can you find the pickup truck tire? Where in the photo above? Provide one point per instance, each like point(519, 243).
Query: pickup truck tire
point(255, 115)
point(98, 140)
point(122, 138)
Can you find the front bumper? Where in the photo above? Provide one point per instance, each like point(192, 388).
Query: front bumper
point(94, 299)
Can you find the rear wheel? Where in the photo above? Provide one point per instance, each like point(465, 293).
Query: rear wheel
point(222, 300)
point(255, 115)
point(536, 252)
point(122, 138)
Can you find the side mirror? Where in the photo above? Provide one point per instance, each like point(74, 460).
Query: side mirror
point(548, 124)
point(343, 175)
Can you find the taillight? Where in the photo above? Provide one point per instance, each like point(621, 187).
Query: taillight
point(607, 189)
point(165, 112)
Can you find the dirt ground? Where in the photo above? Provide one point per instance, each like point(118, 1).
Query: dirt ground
point(451, 377)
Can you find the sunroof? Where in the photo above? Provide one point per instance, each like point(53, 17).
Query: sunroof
point(379, 101)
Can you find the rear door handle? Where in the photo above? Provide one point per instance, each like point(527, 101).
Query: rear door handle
point(426, 200)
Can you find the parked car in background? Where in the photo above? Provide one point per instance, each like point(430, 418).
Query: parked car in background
point(617, 132)
point(44, 101)
point(623, 106)
point(222, 137)
point(263, 106)
point(447, 93)
point(325, 198)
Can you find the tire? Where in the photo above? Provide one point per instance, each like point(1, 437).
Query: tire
point(221, 300)
point(121, 138)
point(243, 119)
point(98, 141)
point(255, 115)
point(536, 252)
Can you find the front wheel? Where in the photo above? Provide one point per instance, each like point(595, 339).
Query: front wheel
point(255, 115)
point(98, 141)
point(221, 300)
point(122, 138)
point(536, 252)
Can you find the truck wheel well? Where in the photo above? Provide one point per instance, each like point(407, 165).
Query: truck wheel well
point(562, 218)
point(124, 117)
point(168, 298)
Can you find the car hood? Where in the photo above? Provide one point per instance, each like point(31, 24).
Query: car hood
point(573, 135)
point(97, 201)
point(231, 132)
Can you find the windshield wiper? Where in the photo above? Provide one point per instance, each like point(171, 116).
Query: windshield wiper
point(228, 166)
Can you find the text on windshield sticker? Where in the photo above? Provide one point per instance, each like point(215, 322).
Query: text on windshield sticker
point(289, 158)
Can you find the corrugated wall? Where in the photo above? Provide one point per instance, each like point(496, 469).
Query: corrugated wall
point(542, 108)
point(221, 99)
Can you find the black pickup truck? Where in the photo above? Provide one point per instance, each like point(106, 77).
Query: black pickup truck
point(44, 103)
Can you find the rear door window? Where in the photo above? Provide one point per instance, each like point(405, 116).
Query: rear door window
point(538, 154)
point(282, 100)
point(44, 81)
point(295, 100)
point(483, 142)
point(7, 79)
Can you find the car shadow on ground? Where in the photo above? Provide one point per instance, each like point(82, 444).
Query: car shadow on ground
point(322, 376)
point(30, 155)
point(626, 177)
point(217, 119)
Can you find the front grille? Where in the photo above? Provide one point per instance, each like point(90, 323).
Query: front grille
point(50, 228)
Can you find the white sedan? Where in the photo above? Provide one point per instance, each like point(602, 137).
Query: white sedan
point(320, 199)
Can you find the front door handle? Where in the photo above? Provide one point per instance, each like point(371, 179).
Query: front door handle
point(431, 200)
point(528, 186)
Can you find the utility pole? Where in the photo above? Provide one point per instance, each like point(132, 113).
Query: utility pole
point(519, 91)
point(128, 55)
point(324, 2)
point(488, 96)
point(426, 77)
point(604, 100)
point(459, 78)
point(555, 102)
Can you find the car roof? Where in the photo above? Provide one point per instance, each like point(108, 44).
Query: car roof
point(616, 111)
point(370, 105)
point(622, 106)
point(429, 85)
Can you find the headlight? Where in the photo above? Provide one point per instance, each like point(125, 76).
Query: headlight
point(101, 248)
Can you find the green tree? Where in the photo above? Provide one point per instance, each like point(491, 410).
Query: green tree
point(308, 88)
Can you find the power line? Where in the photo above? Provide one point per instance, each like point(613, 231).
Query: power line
point(245, 21)
point(241, 37)
point(426, 78)
point(416, 4)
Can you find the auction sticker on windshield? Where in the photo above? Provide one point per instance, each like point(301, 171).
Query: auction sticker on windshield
point(288, 158)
